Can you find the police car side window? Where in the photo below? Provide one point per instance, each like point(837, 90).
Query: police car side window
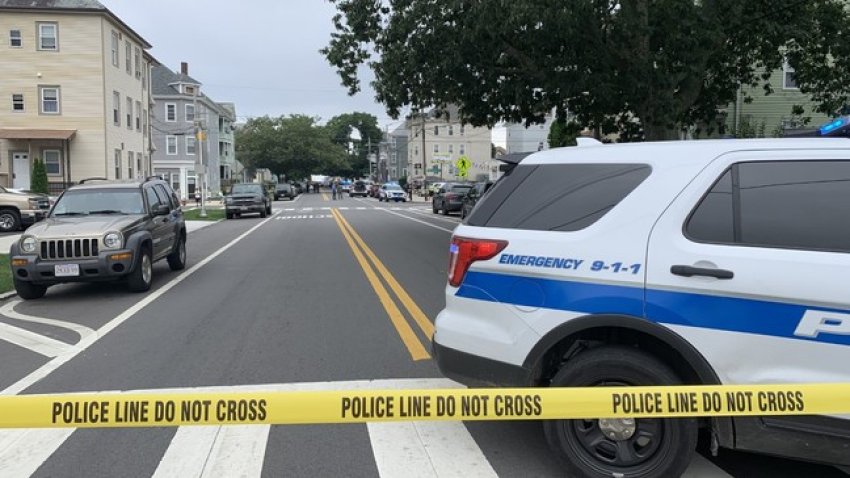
point(557, 197)
point(784, 204)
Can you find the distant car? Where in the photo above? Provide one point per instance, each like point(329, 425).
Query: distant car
point(358, 189)
point(297, 188)
point(449, 198)
point(472, 197)
point(284, 191)
point(392, 192)
point(247, 198)
point(434, 188)
point(345, 187)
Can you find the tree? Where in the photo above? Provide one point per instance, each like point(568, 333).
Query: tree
point(39, 183)
point(645, 69)
point(295, 146)
point(340, 128)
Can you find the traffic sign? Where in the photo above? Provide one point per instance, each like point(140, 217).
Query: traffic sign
point(463, 164)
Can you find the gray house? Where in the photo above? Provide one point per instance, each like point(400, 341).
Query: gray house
point(181, 153)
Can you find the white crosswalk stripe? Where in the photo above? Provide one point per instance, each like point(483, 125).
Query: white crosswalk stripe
point(405, 449)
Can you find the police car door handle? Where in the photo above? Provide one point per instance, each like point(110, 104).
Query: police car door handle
point(690, 271)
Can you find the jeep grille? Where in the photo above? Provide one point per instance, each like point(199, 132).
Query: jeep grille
point(68, 248)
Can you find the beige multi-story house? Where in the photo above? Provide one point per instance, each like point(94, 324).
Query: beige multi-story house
point(75, 92)
point(439, 139)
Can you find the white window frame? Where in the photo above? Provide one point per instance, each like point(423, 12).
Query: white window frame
point(436, 148)
point(193, 142)
point(116, 108)
point(451, 130)
point(168, 144)
point(186, 109)
point(129, 113)
point(786, 68)
point(117, 163)
point(131, 159)
point(41, 91)
point(40, 35)
point(138, 116)
point(57, 162)
point(167, 106)
point(19, 37)
point(138, 63)
point(116, 43)
point(139, 167)
point(451, 149)
point(128, 62)
point(22, 103)
point(461, 149)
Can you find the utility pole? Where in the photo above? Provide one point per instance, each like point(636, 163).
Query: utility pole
point(424, 165)
point(199, 147)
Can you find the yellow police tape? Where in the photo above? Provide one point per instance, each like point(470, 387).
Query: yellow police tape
point(175, 409)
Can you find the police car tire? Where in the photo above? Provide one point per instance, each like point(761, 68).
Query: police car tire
point(626, 366)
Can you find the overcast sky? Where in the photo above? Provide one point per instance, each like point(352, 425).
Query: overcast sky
point(262, 55)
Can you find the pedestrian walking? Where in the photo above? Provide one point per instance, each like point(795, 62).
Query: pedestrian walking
point(333, 190)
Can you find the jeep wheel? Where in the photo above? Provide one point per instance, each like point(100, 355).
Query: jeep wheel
point(434, 207)
point(28, 290)
point(445, 209)
point(646, 447)
point(177, 259)
point(10, 220)
point(142, 276)
point(263, 212)
point(269, 210)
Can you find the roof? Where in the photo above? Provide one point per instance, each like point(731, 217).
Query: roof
point(20, 133)
point(162, 79)
point(82, 6)
point(679, 152)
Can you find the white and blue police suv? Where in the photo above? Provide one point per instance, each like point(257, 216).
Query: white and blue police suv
point(694, 262)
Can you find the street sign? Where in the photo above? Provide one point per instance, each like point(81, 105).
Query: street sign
point(463, 163)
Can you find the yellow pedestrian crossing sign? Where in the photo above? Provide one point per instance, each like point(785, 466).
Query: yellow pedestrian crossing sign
point(463, 164)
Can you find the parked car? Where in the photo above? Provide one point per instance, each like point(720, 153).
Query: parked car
point(472, 197)
point(284, 191)
point(449, 198)
point(247, 198)
point(433, 188)
point(102, 230)
point(345, 187)
point(297, 188)
point(359, 188)
point(392, 192)
point(21, 209)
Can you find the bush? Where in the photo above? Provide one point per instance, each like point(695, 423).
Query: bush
point(39, 178)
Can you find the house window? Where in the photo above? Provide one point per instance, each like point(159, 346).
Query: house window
point(52, 161)
point(436, 148)
point(116, 108)
point(129, 113)
point(171, 112)
point(138, 116)
point(789, 77)
point(188, 90)
point(131, 158)
point(49, 100)
point(117, 164)
point(171, 145)
point(18, 102)
point(48, 36)
point(115, 49)
point(15, 39)
point(462, 149)
point(451, 149)
point(190, 113)
point(461, 130)
point(144, 76)
point(436, 130)
point(128, 57)
point(138, 58)
point(145, 121)
point(451, 130)
point(139, 169)
point(190, 145)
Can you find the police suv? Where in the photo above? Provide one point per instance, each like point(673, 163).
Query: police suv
point(692, 262)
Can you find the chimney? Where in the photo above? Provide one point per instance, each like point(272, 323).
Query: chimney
point(184, 68)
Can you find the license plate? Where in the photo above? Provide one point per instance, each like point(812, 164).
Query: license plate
point(243, 208)
point(66, 270)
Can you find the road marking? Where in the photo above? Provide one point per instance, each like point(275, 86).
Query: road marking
point(408, 336)
point(325, 197)
point(427, 213)
point(427, 449)
point(23, 451)
point(59, 360)
point(361, 208)
point(420, 221)
point(35, 342)
point(306, 209)
point(204, 451)
point(325, 208)
point(9, 311)
point(425, 325)
point(289, 209)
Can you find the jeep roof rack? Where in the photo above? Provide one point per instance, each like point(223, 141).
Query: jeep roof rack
point(83, 181)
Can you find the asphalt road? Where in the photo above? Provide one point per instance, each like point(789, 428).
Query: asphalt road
point(279, 302)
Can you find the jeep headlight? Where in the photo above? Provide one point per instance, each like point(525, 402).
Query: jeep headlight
point(28, 245)
point(33, 203)
point(113, 240)
point(228, 200)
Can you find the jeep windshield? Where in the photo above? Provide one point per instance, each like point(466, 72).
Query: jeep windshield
point(246, 189)
point(100, 201)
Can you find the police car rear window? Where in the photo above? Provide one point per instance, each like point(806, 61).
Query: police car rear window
point(557, 197)
point(783, 204)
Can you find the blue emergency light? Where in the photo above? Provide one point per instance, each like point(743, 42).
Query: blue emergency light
point(835, 127)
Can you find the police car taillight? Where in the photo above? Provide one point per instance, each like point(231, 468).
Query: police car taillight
point(464, 251)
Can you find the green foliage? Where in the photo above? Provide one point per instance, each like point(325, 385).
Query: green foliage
point(6, 283)
point(402, 181)
point(563, 133)
point(38, 183)
point(640, 68)
point(340, 129)
point(748, 128)
point(295, 146)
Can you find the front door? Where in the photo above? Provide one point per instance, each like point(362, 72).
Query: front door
point(21, 170)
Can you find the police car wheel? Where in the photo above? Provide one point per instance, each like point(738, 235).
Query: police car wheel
point(620, 447)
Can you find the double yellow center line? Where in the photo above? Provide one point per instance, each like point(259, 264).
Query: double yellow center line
point(374, 272)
